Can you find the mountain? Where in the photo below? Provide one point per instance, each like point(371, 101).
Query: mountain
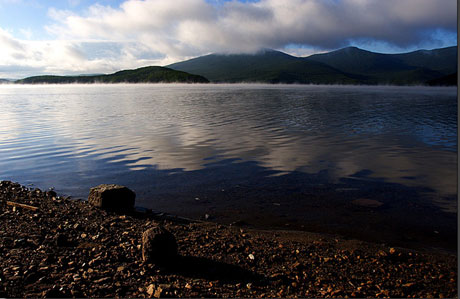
point(357, 61)
point(345, 66)
point(149, 74)
point(443, 60)
point(4, 81)
point(266, 66)
point(416, 67)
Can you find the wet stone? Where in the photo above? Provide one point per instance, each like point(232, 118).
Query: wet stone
point(112, 197)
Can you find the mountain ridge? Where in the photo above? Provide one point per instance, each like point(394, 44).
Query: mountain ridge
point(148, 74)
point(350, 65)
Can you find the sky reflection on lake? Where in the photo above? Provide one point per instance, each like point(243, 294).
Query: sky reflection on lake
point(76, 136)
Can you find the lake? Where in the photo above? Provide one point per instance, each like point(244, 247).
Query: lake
point(371, 162)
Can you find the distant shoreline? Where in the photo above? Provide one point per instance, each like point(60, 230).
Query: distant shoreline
point(226, 83)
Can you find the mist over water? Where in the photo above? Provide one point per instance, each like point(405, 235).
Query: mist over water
point(174, 143)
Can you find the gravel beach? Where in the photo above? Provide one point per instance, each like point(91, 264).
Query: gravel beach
point(57, 247)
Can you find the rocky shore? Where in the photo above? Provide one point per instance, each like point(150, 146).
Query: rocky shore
point(56, 247)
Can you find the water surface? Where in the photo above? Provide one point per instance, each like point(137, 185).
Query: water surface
point(270, 155)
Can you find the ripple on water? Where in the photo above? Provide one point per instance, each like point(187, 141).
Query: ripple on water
point(73, 137)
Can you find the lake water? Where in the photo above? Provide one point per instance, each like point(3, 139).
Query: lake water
point(370, 162)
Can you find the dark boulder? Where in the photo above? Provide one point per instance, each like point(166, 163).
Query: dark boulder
point(112, 197)
point(159, 246)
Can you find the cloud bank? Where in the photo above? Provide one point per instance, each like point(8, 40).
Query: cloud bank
point(140, 32)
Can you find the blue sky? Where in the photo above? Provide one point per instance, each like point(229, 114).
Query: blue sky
point(83, 36)
point(20, 16)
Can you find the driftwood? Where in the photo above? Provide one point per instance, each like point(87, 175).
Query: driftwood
point(21, 205)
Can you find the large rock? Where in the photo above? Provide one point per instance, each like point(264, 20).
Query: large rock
point(112, 197)
point(159, 246)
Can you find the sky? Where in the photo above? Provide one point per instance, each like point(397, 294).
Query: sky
point(65, 37)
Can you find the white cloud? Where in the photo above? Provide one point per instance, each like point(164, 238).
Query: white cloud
point(185, 26)
point(181, 29)
point(301, 51)
point(22, 58)
point(9, 44)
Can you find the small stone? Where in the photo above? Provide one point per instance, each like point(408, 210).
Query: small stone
point(392, 250)
point(381, 253)
point(251, 256)
point(158, 245)
point(113, 197)
point(102, 280)
point(151, 290)
point(51, 194)
point(158, 292)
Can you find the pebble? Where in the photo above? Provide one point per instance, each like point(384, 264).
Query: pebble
point(150, 290)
